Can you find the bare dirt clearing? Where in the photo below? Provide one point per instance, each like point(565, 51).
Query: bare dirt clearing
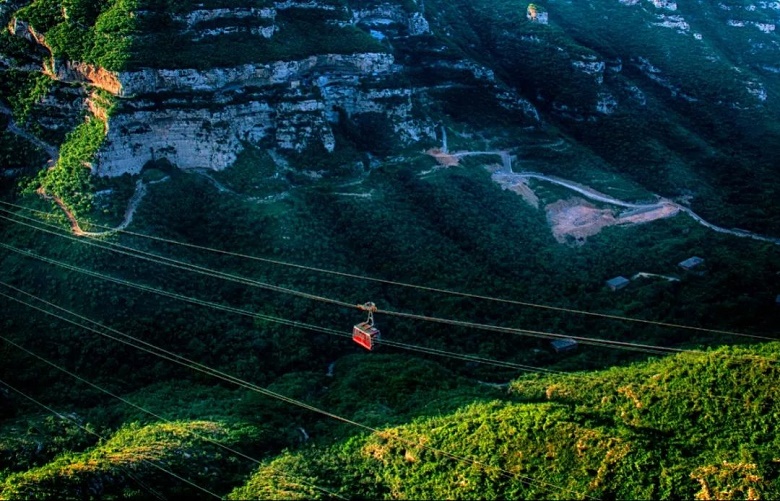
point(443, 158)
point(575, 219)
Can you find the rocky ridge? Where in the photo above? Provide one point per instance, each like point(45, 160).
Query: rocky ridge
point(201, 118)
point(205, 116)
point(421, 65)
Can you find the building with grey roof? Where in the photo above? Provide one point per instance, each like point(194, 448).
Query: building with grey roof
point(617, 283)
point(563, 345)
point(691, 263)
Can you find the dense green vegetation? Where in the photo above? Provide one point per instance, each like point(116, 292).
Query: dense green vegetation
point(16, 153)
point(691, 119)
point(132, 453)
point(23, 90)
point(680, 427)
point(599, 422)
point(85, 31)
point(70, 179)
point(113, 36)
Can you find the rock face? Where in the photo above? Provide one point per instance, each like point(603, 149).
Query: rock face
point(536, 14)
point(406, 69)
point(83, 73)
point(151, 81)
point(202, 118)
point(392, 17)
point(207, 115)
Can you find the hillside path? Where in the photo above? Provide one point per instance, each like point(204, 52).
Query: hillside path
point(138, 195)
point(508, 174)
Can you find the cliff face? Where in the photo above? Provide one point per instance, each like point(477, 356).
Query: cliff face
point(204, 80)
point(200, 119)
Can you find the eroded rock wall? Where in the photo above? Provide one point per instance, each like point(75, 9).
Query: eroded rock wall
point(201, 119)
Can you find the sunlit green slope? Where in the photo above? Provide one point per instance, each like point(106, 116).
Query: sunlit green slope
point(695, 425)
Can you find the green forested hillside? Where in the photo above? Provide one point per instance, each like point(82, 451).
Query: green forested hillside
point(694, 425)
point(183, 331)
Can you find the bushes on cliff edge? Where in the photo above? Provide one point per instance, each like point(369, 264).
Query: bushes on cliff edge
point(82, 30)
point(70, 179)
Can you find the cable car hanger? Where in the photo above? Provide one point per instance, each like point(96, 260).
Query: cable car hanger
point(364, 333)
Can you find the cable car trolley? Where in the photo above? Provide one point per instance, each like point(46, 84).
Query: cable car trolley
point(364, 333)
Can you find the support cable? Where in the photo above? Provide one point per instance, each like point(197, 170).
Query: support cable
point(403, 284)
point(173, 357)
point(254, 283)
point(155, 415)
point(68, 418)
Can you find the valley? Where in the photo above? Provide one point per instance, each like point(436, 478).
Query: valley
point(564, 215)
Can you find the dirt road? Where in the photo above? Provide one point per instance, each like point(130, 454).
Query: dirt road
point(660, 209)
point(138, 195)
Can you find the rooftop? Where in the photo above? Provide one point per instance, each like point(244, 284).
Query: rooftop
point(691, 262)
point(617, 282)
point(563, 344)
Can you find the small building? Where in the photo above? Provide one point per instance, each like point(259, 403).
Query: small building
point(691, 263)
point(617, 283)
point(777, 300)
point(563, 345)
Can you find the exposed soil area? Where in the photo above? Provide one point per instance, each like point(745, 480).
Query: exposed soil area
point(138, 195)
point(574, 219)
point(443, 158)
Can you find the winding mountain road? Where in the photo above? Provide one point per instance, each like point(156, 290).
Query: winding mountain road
point(508, 174)
point(138, 195)
point(600, 197)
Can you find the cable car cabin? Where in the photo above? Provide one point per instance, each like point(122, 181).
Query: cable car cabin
point(366, 335)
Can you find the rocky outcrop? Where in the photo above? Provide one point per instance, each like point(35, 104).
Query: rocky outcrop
point(204, 23)
point(665, 4)
point(393, 18)
point(152, 81)
point(536, 14)
point(83, 73)
point(188, 138)
point(202, 119)
point(591, 67)
point(606, 104)
point(507, 96)
point(22, 29)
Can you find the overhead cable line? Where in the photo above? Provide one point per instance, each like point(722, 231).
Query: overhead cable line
point(155, 258)
point(157, 416)
point(178, 359)
point(71, 419)
point(269, 318)
point(407, 285)
point(254, 283)
point(245, 281)
point(324, 330)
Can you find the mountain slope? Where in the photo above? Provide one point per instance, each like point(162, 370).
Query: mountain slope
point(684, 426)
point(478, 169)
point(681, 427)
point(691, 89)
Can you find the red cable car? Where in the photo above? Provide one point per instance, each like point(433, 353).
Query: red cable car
point(364, 333)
